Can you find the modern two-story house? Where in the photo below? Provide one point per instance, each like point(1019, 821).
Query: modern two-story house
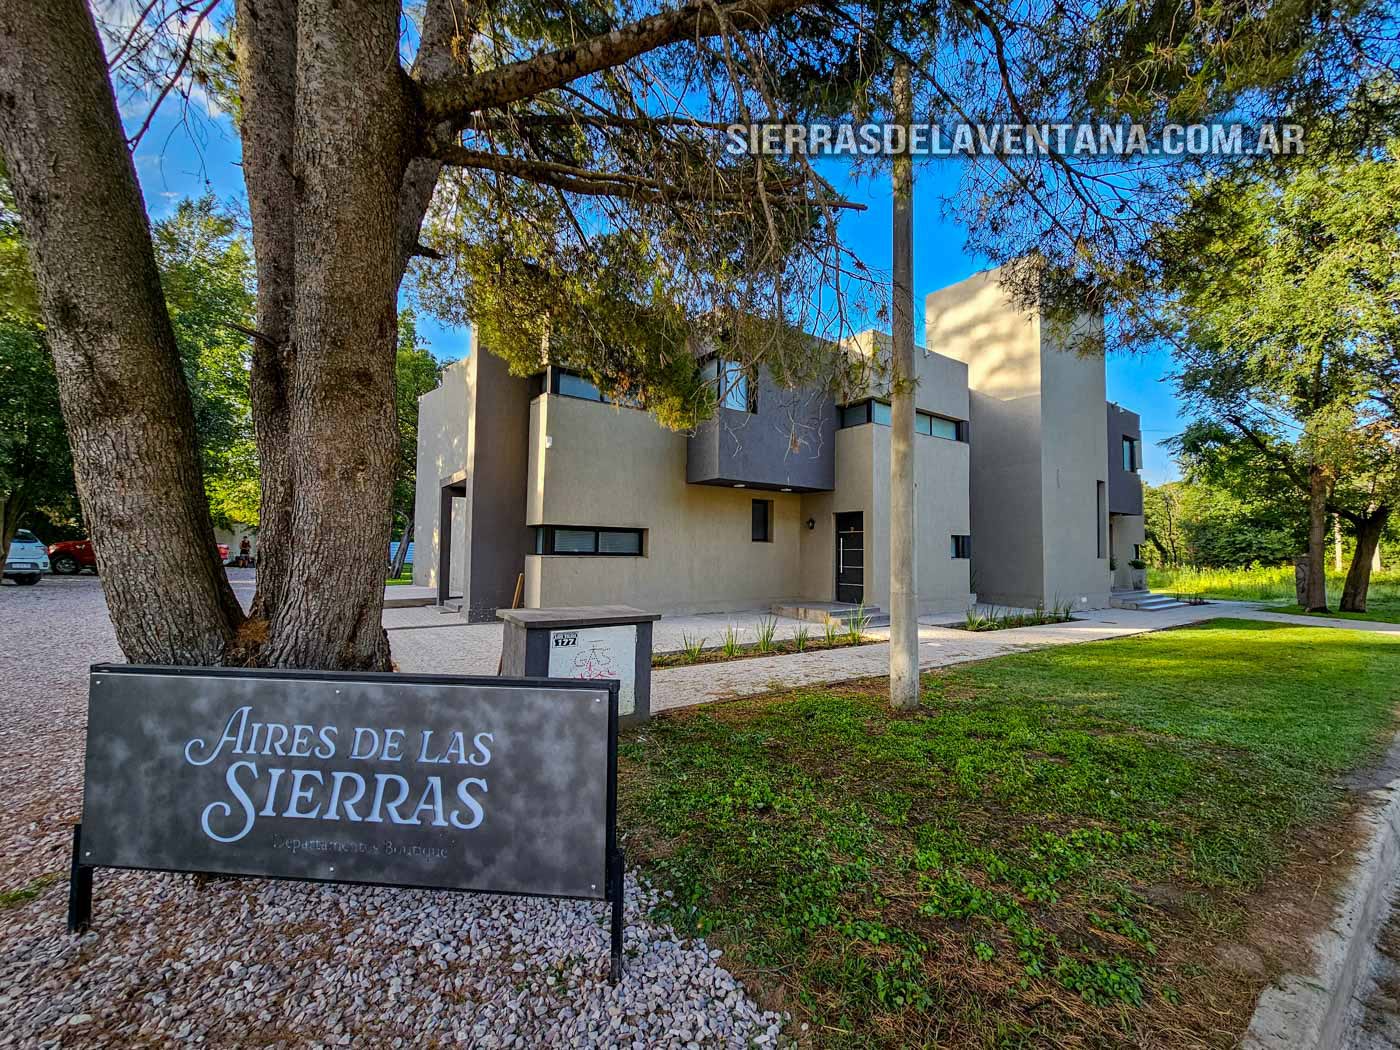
point(780, 500)
point(1056, 510)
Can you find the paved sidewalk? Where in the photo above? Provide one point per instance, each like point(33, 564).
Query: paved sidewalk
point(425, 640)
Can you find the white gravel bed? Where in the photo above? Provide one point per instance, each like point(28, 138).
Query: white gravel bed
point(250, 962)
point(261, 963)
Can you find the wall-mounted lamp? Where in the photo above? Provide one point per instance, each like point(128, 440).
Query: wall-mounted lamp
point(811, 524)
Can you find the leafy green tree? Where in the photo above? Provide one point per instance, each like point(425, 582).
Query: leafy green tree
point(1282, 309)
point(35, 464)
point(416, 372)
point(1162, 526)
point(585, 204)
point(206, 273)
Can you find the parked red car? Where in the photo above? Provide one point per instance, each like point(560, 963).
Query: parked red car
point(73, 556)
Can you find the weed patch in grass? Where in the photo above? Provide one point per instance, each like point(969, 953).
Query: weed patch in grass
point(29, 891)
point(1041, 855)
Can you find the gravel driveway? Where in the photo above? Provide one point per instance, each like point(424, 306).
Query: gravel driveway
point(257, 963)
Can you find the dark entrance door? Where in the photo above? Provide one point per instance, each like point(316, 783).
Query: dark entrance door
point(850, 558)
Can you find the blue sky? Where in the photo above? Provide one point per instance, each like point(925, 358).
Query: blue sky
point(178, 159)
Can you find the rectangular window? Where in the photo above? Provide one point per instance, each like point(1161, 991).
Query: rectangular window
point(855, 415)
point(1132, 455)
point(585, 540)
point(926, 423)
point(763, 521)
point(962, 546)
point(1100, 505)
point(571, 385)
point(944, 428)
point(734, 392)
point(620, 541)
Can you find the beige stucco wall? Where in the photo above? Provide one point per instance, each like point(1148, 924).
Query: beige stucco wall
point(972, 322)
point(1125, 530)
point(598, 464)
point(444, 434)
point(941, 482)
point(1038, 448)
point(1074, 456)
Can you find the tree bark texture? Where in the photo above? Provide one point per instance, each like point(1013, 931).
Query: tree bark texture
point(340, 164)
point(266, 40)
point(122, 389)
point(1368, 537)
point(904, 596)
point(1319, 488)
point(352, 143)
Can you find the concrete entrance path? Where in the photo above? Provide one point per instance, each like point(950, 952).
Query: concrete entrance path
point(427, 641)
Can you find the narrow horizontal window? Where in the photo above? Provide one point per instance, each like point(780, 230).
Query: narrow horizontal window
point(571, 385)
point(926, 423)
point(620, 541)
point(584, 540)
point(962, 546)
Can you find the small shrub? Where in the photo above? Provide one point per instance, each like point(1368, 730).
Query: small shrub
point(856, 625)
point(767, 628)
point(692, 648)
point(731, 645)
point(833, 632)
point(799, 639)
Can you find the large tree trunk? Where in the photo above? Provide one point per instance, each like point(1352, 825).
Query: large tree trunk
point(1368, 537)
point(1318, 488)
point(12, 508)
point(128, 410)
point(267, 55)
point(904, 597)
point(352, 144)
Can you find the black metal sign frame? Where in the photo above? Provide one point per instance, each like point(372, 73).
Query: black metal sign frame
point(80, 880)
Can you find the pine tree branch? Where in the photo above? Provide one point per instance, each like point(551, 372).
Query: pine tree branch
point(602, 184)
point(455, 99)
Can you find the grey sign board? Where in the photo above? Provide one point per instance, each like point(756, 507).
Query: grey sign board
point(494, 785)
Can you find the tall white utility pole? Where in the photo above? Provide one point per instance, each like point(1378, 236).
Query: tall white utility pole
point(904, 597)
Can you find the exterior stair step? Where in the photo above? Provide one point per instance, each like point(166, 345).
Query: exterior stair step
point(840, 613)
point(1144, 601)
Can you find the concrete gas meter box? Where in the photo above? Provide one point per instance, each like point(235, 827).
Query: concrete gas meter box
point(589, 643)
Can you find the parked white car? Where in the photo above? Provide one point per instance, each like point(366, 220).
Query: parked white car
point(27, 560)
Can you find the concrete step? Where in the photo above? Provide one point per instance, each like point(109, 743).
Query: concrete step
point(839, 613)
point(1144, 601)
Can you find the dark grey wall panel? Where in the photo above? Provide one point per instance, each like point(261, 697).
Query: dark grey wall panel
point(790, 442)
point(1124, 486)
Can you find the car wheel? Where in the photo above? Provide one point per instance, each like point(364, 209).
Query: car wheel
point(65, 565)
point(26, 581)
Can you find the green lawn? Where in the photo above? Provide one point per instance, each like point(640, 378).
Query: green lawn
point(1261, 583)
point(1377, 611)
point(1039, 857)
